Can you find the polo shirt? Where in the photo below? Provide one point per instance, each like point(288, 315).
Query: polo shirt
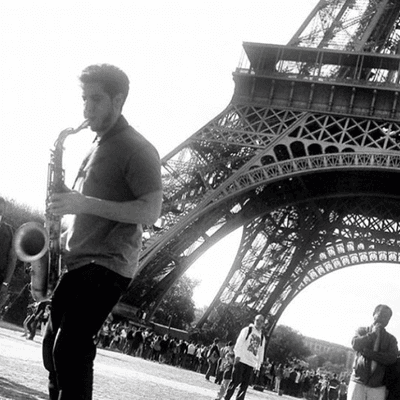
point(122, 167)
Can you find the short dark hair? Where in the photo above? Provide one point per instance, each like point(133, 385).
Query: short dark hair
point(113, 79)
point(380, 306)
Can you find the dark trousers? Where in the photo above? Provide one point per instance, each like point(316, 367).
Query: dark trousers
point(80, 304)
point(241, 375)
point(211, 369)
point(218, 372)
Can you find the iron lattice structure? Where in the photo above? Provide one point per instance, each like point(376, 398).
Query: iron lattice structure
point(305, 159)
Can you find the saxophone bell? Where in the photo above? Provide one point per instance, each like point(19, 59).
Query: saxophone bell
point(30, 242)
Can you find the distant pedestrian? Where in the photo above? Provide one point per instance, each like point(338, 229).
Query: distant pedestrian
point(342, 390)
point(137, 343)
point(128, 342)
point(182, 353)
point(220, 365)
point(190, 355)
point(227, 374)
point(249, 354)
point(156, 346)
point(212, 358)
point(323, 388)
point(278, 378)
point(333, 390)
point(36, 318)
point(164, 346)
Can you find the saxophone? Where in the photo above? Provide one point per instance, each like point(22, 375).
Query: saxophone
point(41, 245)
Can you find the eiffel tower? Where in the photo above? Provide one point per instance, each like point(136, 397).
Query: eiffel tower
point(305, 159)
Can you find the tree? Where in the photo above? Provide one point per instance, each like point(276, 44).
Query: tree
point(336, 356)
point(333, 368)
point(316, 361)
point(17, 213)
point(286, 344)
point(232, 318)
point(225, 323)
point(177, 309)
point(333, 361)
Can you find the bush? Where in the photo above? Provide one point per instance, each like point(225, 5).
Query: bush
point(17, 214)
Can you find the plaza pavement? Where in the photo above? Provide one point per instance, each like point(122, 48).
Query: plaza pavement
point(117, 376)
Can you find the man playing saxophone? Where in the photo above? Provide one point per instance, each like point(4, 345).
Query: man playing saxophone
point(118, 189)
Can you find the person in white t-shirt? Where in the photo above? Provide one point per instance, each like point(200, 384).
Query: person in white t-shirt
point(249, 354)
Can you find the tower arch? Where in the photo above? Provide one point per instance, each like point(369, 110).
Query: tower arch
point(305, 158)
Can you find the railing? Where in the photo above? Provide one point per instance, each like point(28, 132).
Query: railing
point(274, 171)
point(319, 64)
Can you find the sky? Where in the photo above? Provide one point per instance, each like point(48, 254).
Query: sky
point(179, 56)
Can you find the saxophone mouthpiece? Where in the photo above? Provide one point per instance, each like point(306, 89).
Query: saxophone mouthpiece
point(83, 125)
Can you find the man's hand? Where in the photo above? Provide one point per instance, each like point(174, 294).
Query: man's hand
point(71, 202)
point(377, 327)
point(366, 353)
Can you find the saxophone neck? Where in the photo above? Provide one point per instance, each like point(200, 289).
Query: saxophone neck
point(70, 131)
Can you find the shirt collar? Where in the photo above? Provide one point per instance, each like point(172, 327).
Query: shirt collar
point(118, 127)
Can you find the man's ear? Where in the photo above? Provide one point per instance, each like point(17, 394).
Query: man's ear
point(118, 101)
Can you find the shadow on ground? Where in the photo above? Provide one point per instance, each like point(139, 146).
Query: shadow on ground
point(10, 390)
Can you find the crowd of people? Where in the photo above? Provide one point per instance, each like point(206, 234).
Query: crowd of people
point(230, 366)
point(144, 342)
point(216, 362)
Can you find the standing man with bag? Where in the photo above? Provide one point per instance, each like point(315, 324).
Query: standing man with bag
point(118, 190)
point(213, 356)
point(249, 355)
point(375, 350)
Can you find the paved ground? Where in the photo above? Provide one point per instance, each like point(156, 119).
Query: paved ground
point(117, 376)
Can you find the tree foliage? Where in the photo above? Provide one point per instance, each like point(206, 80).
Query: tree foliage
point(17, 213)
point(225, 323)
point(177, 308)
point(286, 344)
point(333, 361)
